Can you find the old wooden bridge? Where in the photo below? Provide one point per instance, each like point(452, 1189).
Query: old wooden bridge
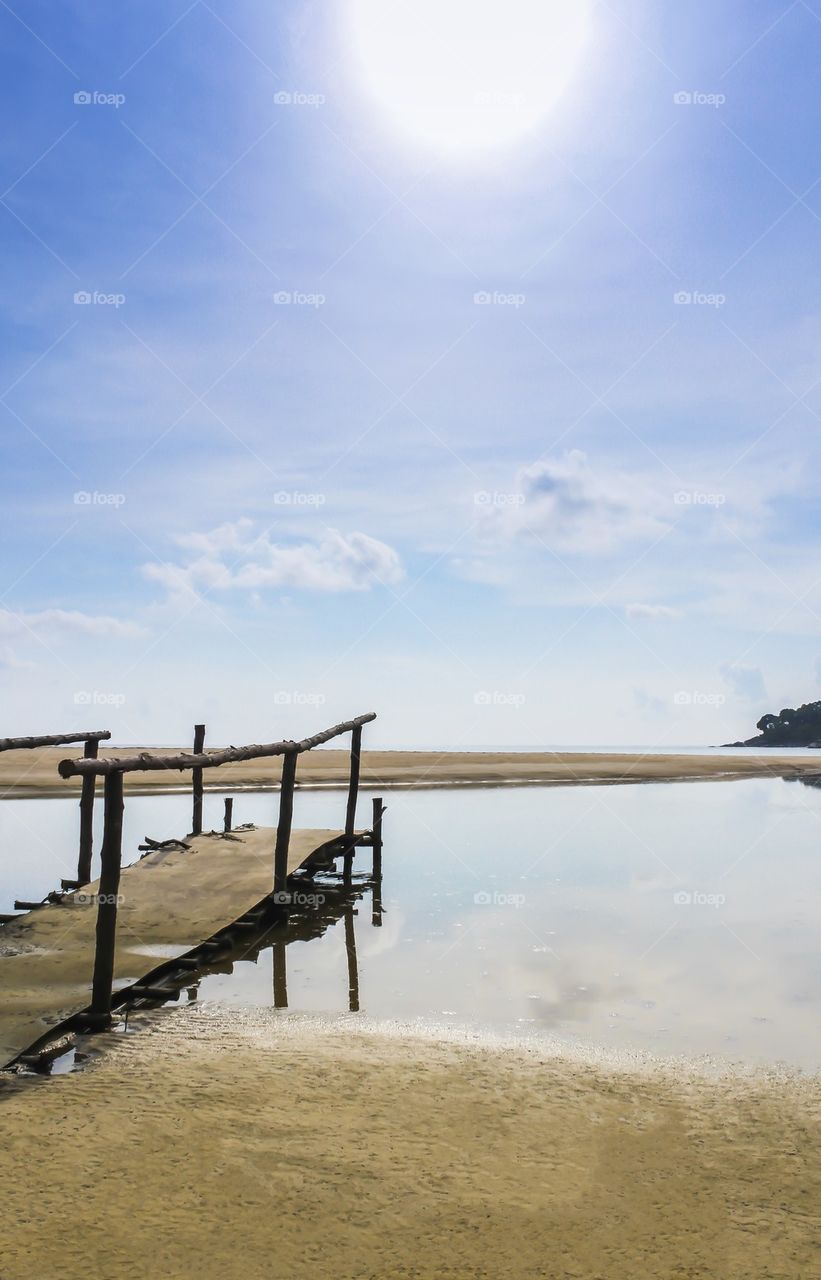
point(186, 899)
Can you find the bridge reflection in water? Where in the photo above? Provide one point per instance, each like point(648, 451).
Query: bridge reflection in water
point(317, 905)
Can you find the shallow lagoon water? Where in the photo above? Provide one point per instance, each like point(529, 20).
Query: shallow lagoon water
point(671, 918)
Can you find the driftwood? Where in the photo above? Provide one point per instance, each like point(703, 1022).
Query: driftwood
point(151, 846)
point(53, 740)
point(146, 762)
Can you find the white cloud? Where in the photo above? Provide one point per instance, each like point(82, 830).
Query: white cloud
point(570, 505)
point(651, 611)
point(64, 621)
point(335, 562)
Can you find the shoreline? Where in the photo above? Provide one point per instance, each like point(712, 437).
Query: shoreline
point(33, 774)
point(351, 1150)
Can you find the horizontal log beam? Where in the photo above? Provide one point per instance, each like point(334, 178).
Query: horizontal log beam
point(53, 740)
point(146, 762)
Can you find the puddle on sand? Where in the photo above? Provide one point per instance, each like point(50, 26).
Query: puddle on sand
point(678, 918)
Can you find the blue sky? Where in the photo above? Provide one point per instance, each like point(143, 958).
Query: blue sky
point(355, 420)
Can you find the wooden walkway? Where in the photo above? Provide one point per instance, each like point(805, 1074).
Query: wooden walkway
point(169, 903)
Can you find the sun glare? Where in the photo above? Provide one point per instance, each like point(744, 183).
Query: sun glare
point(467, 75)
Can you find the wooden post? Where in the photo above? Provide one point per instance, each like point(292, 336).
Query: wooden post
point(229, 811)
point(353, 792)
point(353, 972)
point(376, 835)
point(286, 814)
point(87, 816)
point(196, 782)
point(353, 785)
point(108, 892)
point(280, 975)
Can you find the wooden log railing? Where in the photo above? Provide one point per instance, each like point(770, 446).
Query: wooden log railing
point(112, 770)
point(92, 739)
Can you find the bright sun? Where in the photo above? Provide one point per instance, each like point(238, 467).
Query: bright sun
point(467, 75)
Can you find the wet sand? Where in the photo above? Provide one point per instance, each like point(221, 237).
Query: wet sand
point(270, 1146)
point(34, 773)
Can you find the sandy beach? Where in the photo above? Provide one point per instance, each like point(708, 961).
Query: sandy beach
point(34, 773)
point(260, 1146)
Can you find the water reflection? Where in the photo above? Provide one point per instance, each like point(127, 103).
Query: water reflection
point(670, 917)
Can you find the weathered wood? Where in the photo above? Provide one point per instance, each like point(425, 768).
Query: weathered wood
point(52, 740)
point(376, 835)
point(7, 917)
point(353, 971)
point(146, 762)
point(196, 782)
point(280, 974)
point(87, 815)
point(353, 785)
point(109, 888)
point(228, 817)
point(20, 904)
point(286, 814)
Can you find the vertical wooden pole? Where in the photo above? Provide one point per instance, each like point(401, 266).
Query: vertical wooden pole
point(229, 812)
point(108, 892)
point(87, 816)
point(353, 785)
point(353, 972)
point(350, 811)
point(286, 814)
point(376, 830)
point(196, 782)
point(280, 975)
point(376, 835)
